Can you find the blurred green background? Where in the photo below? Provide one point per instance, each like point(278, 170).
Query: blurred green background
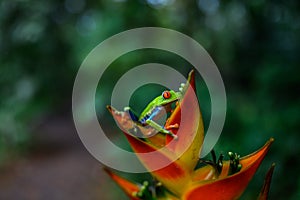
point(255, 44)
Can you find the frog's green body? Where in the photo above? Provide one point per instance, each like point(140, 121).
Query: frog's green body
point(154, 110)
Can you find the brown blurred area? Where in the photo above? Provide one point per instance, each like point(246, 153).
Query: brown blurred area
point(57, 167)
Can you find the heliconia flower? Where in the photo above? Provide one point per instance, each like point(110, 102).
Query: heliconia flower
point(181, 155)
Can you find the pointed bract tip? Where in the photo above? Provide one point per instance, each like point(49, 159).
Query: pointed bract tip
point(264, 193)
point(109, 108)
point(106, 170)
point(191, 72)
point(191, 75)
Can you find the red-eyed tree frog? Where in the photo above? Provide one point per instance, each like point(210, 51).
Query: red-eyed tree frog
point(155, 109)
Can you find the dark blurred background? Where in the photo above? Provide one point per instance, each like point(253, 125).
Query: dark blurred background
point(255, 44)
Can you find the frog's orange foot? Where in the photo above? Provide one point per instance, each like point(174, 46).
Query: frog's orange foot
point(173, 126)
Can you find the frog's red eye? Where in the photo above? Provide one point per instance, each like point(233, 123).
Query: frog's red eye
point(166, 94)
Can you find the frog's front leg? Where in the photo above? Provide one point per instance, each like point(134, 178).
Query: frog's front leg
point(160, 129)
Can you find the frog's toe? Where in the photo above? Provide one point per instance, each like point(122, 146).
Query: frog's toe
point(126, 108)
point(172, 134)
